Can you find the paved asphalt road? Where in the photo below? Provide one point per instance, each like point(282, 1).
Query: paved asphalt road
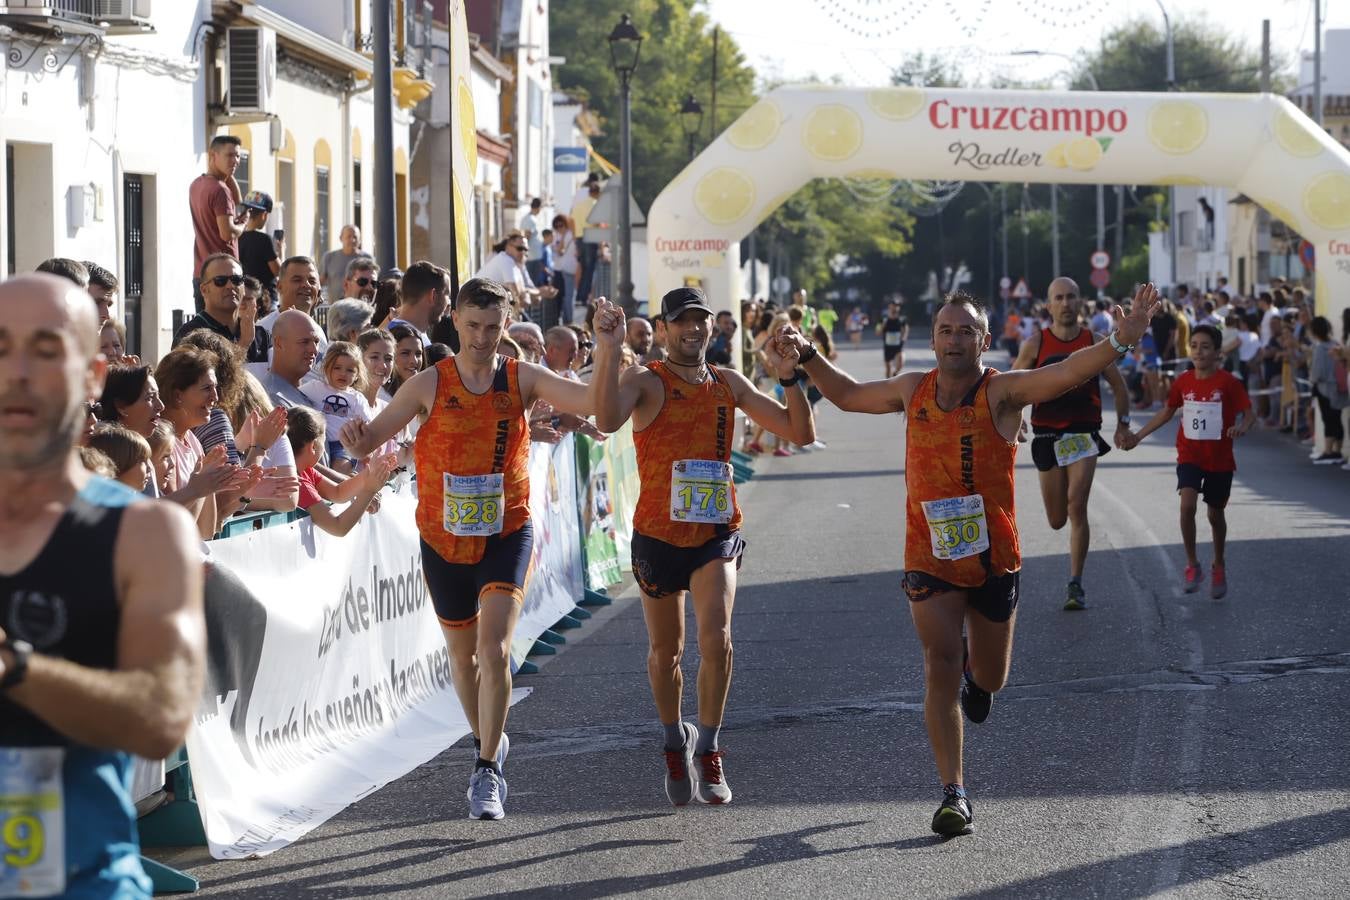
point(1159, 743)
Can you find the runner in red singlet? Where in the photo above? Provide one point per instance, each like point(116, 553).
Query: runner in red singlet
point(1066, 443)
point(687, 526)
point(961, 551)
point(473, 506)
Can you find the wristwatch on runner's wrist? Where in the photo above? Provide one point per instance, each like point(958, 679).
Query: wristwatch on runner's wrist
point(1117, 345)
point(17, 668)
point(806, 356)
point(794, 380)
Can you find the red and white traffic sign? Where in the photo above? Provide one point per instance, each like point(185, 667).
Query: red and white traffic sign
point(1100, 260)
point(1100, 278)
point(1021, 292)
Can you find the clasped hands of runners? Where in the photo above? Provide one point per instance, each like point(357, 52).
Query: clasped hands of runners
point(609, 324)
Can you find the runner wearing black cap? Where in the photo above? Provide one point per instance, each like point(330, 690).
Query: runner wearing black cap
point(686, 529)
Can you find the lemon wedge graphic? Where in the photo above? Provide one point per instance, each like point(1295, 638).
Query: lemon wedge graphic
point(1057, 157)
point(1177, 126)
point(832, 132)
point(757, 128)
point(1084, 153)
point(724, 195)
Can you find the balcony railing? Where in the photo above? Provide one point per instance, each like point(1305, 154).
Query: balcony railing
point(83, 11)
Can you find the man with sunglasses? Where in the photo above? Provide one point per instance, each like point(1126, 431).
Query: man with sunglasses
point(363, 277)
point(222, 287)
point(508, 268)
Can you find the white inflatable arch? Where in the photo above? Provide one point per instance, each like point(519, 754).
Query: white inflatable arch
point(1260, 144)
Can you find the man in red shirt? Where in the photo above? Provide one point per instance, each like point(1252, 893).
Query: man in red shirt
point(1211, 401)
point(214, 198)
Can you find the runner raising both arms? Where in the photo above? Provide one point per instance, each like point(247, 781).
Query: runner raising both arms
point(1066, 443)
point(687, 525)
point(473, 506)
point(962, 557)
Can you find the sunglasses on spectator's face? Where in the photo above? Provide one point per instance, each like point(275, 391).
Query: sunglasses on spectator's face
point(519, 247)
point(587, 345)
point(222, 280)
point(364, 282)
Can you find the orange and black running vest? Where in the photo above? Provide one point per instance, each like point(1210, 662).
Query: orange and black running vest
point(956, 454)
point(472, 434)
point(1076, 410)
point(696, 421)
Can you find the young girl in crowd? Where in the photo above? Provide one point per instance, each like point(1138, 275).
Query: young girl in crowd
point(305, 429)
point(161, 457)
point(338, 397)
point(129, 452)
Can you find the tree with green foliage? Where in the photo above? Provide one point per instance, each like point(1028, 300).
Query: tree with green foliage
point(675, 60)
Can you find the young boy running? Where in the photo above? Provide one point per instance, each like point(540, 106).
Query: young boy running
point(1211, 401)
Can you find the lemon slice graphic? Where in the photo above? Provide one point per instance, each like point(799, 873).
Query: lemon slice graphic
point(1177, 126)
point(1084, 153)
point(897, 104)
point(832, 132)
point(468, 129)
point(757, 128)
point(1327, 200)
point(724, 195)
point(1294, 136)
point(1180, 180)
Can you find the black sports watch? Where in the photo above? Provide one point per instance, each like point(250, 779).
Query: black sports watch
point(790, 382)
point(16, 671)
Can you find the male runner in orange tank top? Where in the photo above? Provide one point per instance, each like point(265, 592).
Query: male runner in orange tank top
point(472, 453)
point(961, 553)
point(686, 528)
point(1066, 442)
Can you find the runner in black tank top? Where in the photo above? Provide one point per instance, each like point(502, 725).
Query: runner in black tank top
point(894, 330)
point(101, 632)
point(1066, 441)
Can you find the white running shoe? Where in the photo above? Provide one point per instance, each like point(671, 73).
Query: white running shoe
point(712, 784)
point(680, 777)
point(487, 796)
point(487, 792)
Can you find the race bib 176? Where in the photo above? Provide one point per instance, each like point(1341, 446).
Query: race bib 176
point(700, 491)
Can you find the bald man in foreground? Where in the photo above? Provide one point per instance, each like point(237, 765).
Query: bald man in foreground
point(1066, 440)
point(102, 640)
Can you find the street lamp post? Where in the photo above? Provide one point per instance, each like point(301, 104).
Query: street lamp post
point(625, 43)
point(1101, 215)
point(691, 117)
point(1172, 190)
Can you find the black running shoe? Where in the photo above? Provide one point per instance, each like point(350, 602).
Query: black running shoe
point(975, 700)
point(1076, 598)
point(955, 816)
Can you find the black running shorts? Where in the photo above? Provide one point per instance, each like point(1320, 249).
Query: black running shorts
point(1215, 487)
point(995, 599)
point(890, 353)
point(1043, 450)
point(456, 588)
point(662, 569)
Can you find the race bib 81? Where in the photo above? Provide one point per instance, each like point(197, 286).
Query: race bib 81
point(1202, 420)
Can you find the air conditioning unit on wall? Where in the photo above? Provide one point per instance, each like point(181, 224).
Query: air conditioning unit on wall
point(116, 11)
point(250, 71)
